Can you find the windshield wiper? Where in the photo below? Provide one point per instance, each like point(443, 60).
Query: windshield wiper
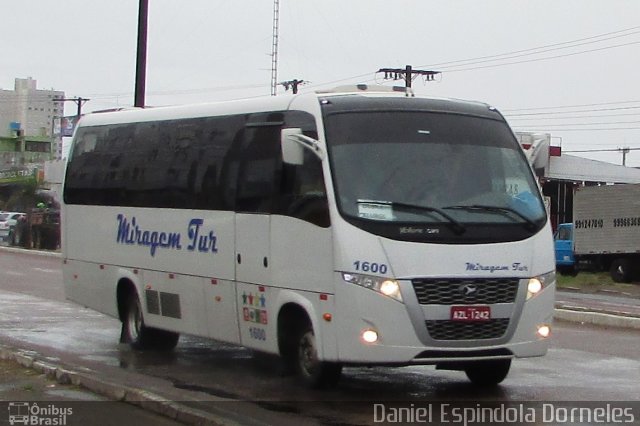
point(456, 226)
point(506, 211)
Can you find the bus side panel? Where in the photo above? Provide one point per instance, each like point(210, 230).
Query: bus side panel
point(89, 285)
point(189, 242)
point(257, 316)
point(180, 253)
point(175, 302)
point(222, 310)
point(301, 255)
point(302, 258)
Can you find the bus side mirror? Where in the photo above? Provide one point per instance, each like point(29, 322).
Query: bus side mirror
point(294, 142)
point(292, 150)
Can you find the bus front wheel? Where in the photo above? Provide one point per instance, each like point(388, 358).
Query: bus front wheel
point(141, 337)
point(488, 373)
point(315, 373)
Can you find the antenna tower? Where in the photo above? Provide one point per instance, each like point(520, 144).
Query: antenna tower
point(274, 47)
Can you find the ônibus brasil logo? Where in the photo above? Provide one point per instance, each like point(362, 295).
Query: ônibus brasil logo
point(32, 414)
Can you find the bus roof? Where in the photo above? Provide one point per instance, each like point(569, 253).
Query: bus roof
point(357, 97)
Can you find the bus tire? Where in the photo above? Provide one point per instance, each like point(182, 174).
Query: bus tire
point(141, 337)
point(621, 270)
point(313, 372)
point(488, 373)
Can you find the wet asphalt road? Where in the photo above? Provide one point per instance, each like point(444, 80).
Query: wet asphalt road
point(584, 363)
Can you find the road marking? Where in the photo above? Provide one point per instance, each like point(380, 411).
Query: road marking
point(47, 271)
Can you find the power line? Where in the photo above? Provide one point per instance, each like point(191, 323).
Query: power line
point(572, 112)
point(586, 124)
point(542, 129)
point(572, 106)
point(576, 116)
point(534, 51)
point(601, 150)
point(514, 52)
point(543, 59)
point(542, 47)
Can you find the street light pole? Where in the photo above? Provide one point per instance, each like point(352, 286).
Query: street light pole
point(141, 58)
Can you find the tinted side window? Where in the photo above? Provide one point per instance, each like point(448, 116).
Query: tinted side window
point(214, 163)
point(84, 168)
point(213, 173)
point(259, 169)
point(171, 164)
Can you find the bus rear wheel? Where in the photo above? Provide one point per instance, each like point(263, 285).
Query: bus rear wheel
point(312, 371)
point(488, 373)
point(141, 337)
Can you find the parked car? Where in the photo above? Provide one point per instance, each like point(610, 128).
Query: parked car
point(8, 222)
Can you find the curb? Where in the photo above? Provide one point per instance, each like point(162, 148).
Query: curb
point(138, 397)
point(44, 253)
point(582, 316)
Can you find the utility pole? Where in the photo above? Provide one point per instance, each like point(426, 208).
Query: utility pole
point(78, 101)
point(293, 84)
point(274, 47)
point(407, 74)
point(625, 151)
point(141, 57)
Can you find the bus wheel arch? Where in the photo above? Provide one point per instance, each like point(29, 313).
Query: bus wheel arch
point(299, 351)
point(134, 331)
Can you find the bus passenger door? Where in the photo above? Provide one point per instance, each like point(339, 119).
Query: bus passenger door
point(252, 248)
point(258, 171)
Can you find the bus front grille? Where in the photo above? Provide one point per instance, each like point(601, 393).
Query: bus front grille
point(463, 291)
point(455, 330)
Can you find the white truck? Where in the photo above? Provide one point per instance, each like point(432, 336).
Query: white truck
point(605, 232)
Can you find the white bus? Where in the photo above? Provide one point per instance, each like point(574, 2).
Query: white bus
point(352, 227)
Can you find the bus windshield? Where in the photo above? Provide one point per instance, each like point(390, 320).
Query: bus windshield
point(406, 167)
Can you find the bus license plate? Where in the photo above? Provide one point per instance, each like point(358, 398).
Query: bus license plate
point(470, 313)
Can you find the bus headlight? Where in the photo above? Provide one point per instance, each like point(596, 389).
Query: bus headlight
point(385, 286)
point(536, 284)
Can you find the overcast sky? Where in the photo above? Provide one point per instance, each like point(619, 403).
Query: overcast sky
point(567, 67)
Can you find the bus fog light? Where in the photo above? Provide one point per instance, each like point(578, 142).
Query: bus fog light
point(544, 331)
point(370, 336)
